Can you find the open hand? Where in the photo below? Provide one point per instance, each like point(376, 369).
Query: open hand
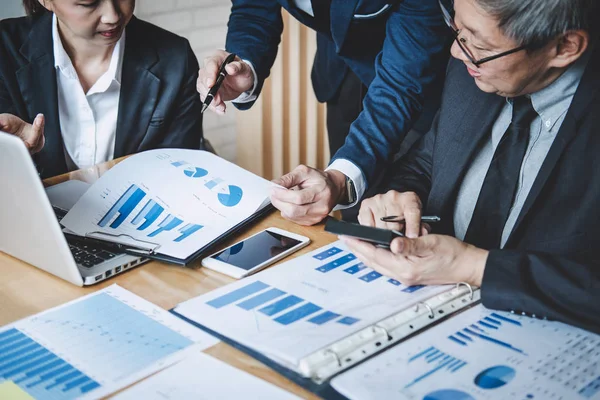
point(31, 134)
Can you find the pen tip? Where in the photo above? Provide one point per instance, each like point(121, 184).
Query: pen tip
point(204, 107)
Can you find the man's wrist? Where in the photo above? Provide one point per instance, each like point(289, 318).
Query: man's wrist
point(475, 259)
point(338, 180)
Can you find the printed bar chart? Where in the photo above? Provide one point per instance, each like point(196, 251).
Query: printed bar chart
point(437, 360)
point(169, 223)
point(117, 338)
point(284, 308)
point(187, 231)
point(124, 206)
point(327, 253)
point(336, 263)
point(149, 214)
point(485, 329)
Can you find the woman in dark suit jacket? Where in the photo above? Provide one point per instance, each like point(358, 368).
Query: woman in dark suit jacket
point(85, 81)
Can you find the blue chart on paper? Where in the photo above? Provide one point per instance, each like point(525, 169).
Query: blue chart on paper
point(436, 362)
point(356, 268)
point(230, 199)
point(189, 170)
point(485, 329)
point(282, 307)
point(123, 207)
point(113, 337)
point(495, 377)
point(448, 394)
point(146, 217)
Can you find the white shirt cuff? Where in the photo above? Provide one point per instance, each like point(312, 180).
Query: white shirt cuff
point(248, 96)
point(349, 169)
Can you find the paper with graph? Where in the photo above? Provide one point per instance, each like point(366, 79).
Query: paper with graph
point(483, 354)
point(179, 200)
point(91, 346)
point(292, 310)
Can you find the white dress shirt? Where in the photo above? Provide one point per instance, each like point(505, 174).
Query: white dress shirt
point(88, 121)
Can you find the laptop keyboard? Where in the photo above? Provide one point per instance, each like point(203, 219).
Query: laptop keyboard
point(85, 255)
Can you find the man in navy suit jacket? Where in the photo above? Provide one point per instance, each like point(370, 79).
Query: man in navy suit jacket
point(396, 47)
point(532, 246)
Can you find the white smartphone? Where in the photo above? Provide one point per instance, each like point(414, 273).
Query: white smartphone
point(255, 252)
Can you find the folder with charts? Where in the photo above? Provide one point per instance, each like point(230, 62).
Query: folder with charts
point(172, 201)
point(292, 311)
point(482, 354)
point(92, 346)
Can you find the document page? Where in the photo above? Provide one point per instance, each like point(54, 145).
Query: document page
point(483, 354)
point(176, 201)
point(92, 346)
point(200, 376)
point(294, 309)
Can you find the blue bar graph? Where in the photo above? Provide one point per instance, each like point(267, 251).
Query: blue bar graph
point(355, 268)
point(591, 389)
point(281, 305)
point(412, 289)
point(178, 163)
point(327, 253)
point(485, 329)
point(170, 222)
point(298, 313)
point(336, 263)
point(284, 308)
point(394, 282)
point(371, 276)
point(187, 231)
point(323, 318)
point(28, 369)
point(213, 183)
point(435, 361)
point(261, 299)
point(129, 341)
point(238, 294)
point(149, 213)
point(124, 206)
point(348, 321)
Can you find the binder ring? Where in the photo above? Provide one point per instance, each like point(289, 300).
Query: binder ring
point(459, 284)
point(431, 314)
point(387, 334)
point(337, 358)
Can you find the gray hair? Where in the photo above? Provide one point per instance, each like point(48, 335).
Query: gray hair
point(536, 22)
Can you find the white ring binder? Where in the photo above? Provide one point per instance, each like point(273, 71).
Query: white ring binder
point(431, 313)
point(459, 284)
point(387, 334)
point(329, 351)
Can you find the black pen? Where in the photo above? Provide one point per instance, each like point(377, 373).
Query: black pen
point(220, 78)
point(424, 218)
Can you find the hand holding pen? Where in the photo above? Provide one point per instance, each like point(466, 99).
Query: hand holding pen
point(223, 77)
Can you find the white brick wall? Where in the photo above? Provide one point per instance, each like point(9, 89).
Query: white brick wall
point(204, 24)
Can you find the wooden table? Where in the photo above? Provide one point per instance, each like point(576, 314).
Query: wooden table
point(26, 290)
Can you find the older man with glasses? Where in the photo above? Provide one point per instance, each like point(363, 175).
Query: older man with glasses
point(510, 165)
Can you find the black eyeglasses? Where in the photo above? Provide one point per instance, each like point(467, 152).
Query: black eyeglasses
point(462, 42)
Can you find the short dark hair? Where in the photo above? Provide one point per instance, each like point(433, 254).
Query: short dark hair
point(33, 7)
point(536, 22)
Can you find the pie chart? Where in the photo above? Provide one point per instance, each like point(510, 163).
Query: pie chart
point(232, 198)
point(495, 377)
point(195, 172)
point(448, 394)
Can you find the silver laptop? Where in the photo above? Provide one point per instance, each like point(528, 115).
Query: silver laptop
point(29, 222)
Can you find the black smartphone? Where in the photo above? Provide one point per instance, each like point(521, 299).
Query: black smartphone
point(378, 236)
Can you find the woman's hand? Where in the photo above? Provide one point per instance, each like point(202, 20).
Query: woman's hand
point(31, 134)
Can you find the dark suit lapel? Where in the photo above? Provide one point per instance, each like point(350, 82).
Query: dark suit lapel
point(477, 116)
point(37, 81)
point(139, 91)
point(342, 12)
point(586, 92)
